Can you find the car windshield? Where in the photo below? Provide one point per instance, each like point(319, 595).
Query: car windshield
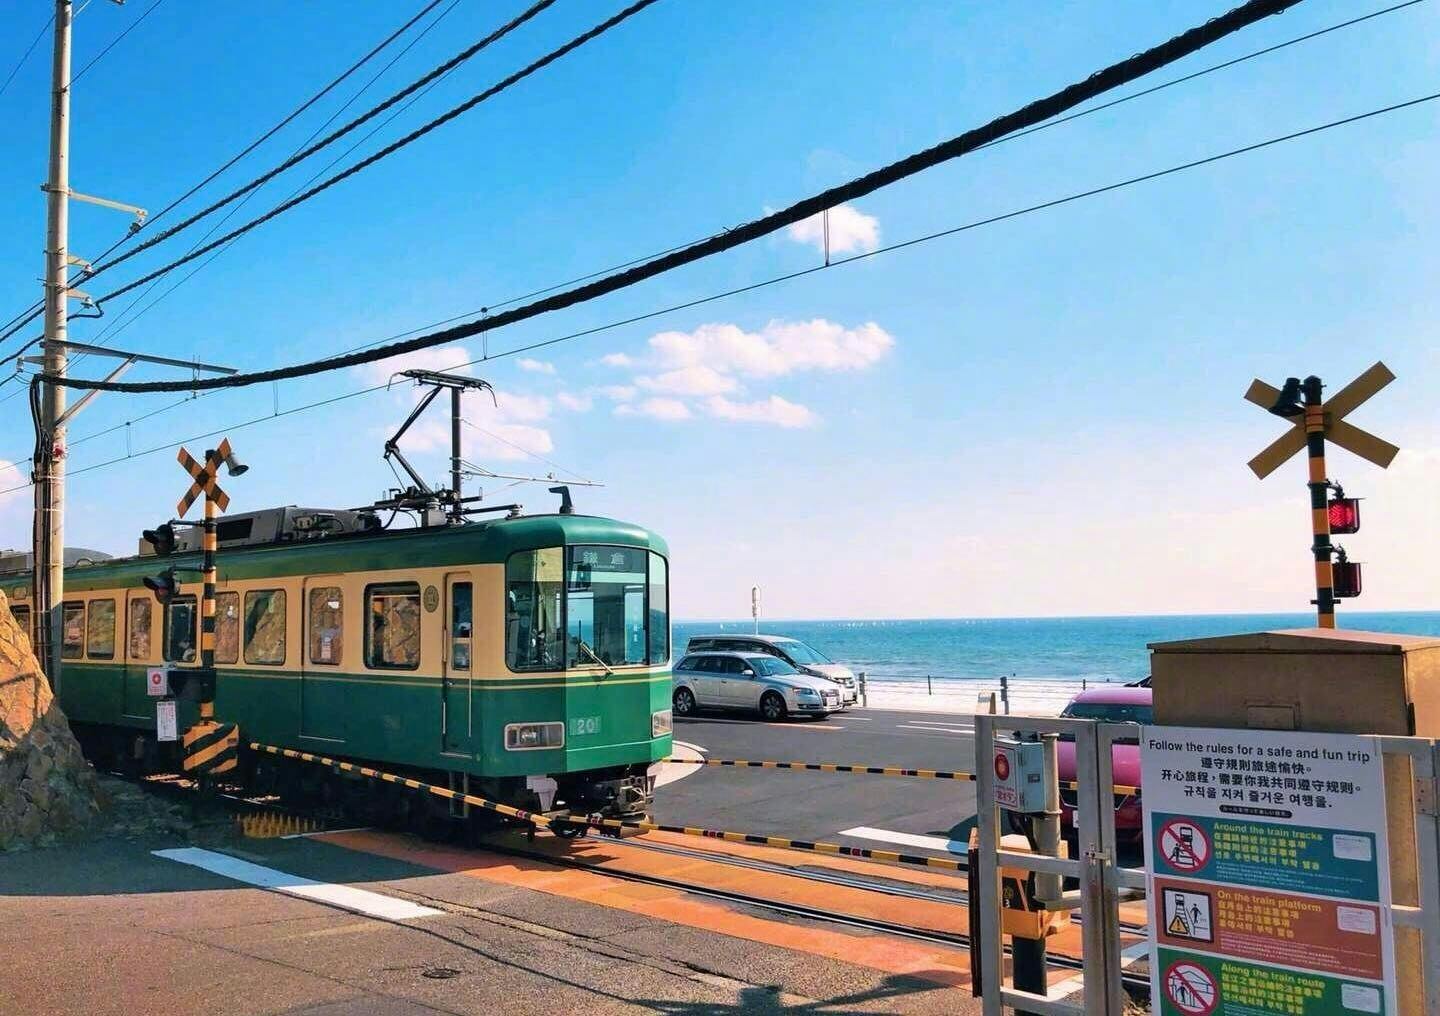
point(769, 666)
point(800, 652)
point(1111, 712)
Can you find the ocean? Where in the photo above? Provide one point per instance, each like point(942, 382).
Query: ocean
point(1066, 650)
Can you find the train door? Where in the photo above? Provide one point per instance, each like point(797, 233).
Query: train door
point(322, 691)
point(456, 716)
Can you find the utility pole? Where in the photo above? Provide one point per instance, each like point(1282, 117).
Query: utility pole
point(49, 551)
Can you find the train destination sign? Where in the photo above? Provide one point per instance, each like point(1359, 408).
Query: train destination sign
point(1268, 871)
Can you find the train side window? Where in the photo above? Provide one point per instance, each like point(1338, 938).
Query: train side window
point(265, 626)
point(227, 627)
point(138, 628)
point(180, 630)
point(100, 630)
point(327, 624)
point(72, 643)
point(462, 624)
point(392, 626)
point(657, 605)
point(22, 617)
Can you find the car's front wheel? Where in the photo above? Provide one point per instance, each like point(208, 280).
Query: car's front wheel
point(684, 702)
point(772, 706)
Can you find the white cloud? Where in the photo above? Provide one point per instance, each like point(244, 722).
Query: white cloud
point(619, 393)
point(781, 347)
point(694, 380)
point(774, 410)
point(617, 360)
point(574, 403)
point(851, 231)
point(659, 408)
point(536, 366)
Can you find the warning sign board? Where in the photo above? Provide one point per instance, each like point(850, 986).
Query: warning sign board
point(1268, 871)
point(1184, 845)
point(1190, 988)
point(1187, 914)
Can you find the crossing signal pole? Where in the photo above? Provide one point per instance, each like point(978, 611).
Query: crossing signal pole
point(1314, 421)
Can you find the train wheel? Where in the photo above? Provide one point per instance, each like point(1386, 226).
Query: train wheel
point(772, 706)
point(568, 830)
point(683, 702)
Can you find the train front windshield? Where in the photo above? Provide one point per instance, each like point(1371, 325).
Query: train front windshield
point(586, 606)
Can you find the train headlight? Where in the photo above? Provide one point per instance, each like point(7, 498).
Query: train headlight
point(533, 736)
point(661, 723)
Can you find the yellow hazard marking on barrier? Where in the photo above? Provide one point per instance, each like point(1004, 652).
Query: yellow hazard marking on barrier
point(869, 853)
point(859, 770)
point(210, 748)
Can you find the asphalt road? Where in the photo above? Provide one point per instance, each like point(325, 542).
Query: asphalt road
point(826, 806)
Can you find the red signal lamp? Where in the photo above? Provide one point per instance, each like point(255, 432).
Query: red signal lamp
point(1344, 515)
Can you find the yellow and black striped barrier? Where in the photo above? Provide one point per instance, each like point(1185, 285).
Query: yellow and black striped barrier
point(839, 767)
point(868, 853)
point(210, 748)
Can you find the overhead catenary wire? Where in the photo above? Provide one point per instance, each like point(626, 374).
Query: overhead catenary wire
point(126, 318)
point(1226, 64)
point(1035, 112)
point(26, 55)
point(394, 146)
point(99, 261)
point(114, 42)
point(775, 280)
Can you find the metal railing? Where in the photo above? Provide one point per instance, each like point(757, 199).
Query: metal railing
point(1102, 880)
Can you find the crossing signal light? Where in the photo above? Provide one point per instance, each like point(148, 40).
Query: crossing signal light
point(164, 586)
point(1344, 515)
point(162, 538)
point(1345, 576)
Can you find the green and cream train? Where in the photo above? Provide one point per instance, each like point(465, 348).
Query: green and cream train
point(523, 658)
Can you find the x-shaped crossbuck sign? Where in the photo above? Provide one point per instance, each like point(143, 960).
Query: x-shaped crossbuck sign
point(1346, 435)
point(204, 478)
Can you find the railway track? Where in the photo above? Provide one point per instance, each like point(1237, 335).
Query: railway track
point(235, 805)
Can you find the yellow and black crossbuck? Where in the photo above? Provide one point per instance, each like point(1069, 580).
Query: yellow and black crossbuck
point(205, 478)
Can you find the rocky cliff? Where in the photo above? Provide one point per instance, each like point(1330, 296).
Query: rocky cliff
point(48, 791)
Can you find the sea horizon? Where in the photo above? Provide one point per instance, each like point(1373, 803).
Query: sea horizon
point(1095, 648)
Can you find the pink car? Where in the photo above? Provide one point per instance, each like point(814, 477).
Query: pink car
point(1119, 704)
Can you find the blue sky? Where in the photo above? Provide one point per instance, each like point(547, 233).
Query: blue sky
point(1043, 416)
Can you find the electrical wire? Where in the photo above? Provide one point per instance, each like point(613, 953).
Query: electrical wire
point(125, 318)
point(336, 135)
point(520, 448)
point(1019, 134)
point(26, 55)
point(114, 42)
point(1035, 112)
point(395, 146)
point(836, 263)
point(30, 315)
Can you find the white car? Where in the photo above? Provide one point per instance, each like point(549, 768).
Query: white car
point(749, 681)
point(802, 657)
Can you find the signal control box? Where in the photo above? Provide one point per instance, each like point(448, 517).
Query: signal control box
point(1019, 774)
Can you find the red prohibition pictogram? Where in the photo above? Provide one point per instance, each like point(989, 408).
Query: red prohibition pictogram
point(1183, 845)
point(1002, 767)
point(1191, 988)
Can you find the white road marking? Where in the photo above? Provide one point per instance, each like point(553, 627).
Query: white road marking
point(941, 724)
point(359, 901)
point(931, 730)
point(1072, 985)
point(324, 832)
point(908, 839)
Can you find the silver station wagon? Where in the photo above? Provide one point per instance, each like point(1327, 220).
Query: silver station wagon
point(754, 682)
